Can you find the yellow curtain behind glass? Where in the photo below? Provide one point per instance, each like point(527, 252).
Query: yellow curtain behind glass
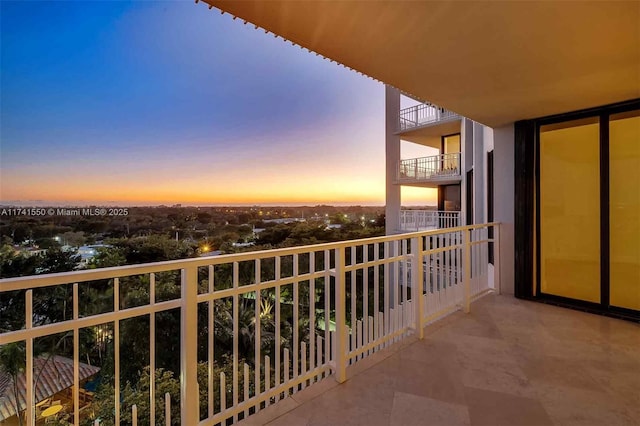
point(624, 151)
point(570, 210)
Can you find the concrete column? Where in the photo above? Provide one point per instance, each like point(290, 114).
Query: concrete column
point(488, 146)
point(392, 159)
point(504, 181)
point(466, 144)
point(479, 212)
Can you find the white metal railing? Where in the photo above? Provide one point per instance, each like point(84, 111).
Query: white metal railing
point(423, 114)
point(292, 316)
point(422, 220)
point(440, 166)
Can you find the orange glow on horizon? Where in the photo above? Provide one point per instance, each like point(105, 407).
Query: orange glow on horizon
point(232, 193)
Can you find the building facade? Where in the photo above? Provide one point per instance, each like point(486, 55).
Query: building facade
point(458, 166)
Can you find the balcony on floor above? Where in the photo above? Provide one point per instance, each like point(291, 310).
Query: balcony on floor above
point(436, 169)
point(425, 220)
point(422, 115)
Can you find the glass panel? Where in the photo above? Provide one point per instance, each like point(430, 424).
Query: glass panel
point(451, 198)
point(451, 146)
point(624, 210)
point(570, 209)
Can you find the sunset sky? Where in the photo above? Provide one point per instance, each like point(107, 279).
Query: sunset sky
point(169, 102)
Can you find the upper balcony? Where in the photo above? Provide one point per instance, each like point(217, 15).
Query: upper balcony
point(215, 340)
point(423, 115)
point(434, 170)
point(425, 220)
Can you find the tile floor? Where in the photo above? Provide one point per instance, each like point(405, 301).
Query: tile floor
point(508, 362)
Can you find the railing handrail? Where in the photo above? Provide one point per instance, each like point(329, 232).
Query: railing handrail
point(432, 167)
point(44, 280)
point(429, 157)
point(426, 105)
point(428, 211)
point(416, 278)
point(418, 106)
point(415, 220)
point(423, 114)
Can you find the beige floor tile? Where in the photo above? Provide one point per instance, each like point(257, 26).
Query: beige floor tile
point(487, 408)
point(430, 350)
point(271, 412)
point(571, 406)
point(479, 326)
point(560, 371)
point(289, 419)
point(409, 410)
point(506, 378)
point(434, 378)
point(509, 362)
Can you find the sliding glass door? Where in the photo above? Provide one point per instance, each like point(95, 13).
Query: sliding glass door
point(570, 210)
point(624, 209)
point(588, 209)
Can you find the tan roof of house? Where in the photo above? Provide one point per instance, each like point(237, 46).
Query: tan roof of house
point(54, 375)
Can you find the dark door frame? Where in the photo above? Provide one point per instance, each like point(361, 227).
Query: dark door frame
point(527, 218)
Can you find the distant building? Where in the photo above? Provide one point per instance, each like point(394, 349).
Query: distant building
point(285, 220)
point(242, 245)
point(88, 252)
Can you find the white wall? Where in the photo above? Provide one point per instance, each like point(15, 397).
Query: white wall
point(466, 143)
point(487, 136)
point(479, 175)
point(392, 158)
point(503, 177)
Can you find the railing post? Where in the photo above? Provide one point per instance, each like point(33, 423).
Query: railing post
point(341, 318)
point(466, 269)
point(30, 394)
point(189, 398)
point(415, 168)
point(416, 283)
point(496, 258)
point(416, 114)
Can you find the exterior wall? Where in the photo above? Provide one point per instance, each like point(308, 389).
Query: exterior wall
point(476, 141)
point(487, 137)
point(466, 144)
point(503, 161)
point(392, 158)
point(479, 175)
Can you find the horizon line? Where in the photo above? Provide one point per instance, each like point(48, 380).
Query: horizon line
point(80, 204)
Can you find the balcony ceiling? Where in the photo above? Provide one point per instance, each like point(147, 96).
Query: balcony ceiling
point(431, 135)
point(494, 62)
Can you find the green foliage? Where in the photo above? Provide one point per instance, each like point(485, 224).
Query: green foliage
point(15, 264)
point(107, 257)
point(138, 393)
point(154, 248)
point(57, 260)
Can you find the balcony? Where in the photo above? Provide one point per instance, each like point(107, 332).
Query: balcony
point(233, 334)
point(508, 362)
point(424, 115)
point(424, 220)
point(437, 169)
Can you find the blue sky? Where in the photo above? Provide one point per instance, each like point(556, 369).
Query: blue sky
point(147, 102)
